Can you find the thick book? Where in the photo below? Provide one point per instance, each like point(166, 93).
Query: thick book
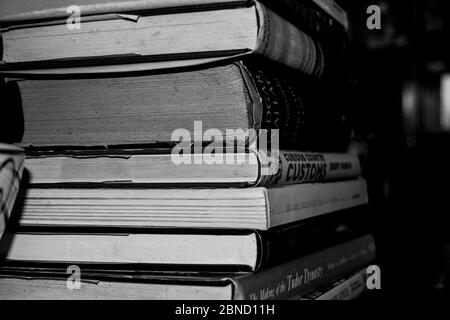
point(166, 249)
point(143, 42)
point(237, 100)
point(230, 208)
point(11, 168)
point(284, 281)
point(161, 167)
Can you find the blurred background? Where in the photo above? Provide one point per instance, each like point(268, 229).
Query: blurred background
point(400, 109)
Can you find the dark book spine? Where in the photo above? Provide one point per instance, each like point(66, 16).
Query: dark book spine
point(308, 16)
point(282, 244)
point(299, 108)
point(306, 274)
point(283, 107)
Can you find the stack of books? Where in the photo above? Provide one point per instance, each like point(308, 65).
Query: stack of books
point(181, 150)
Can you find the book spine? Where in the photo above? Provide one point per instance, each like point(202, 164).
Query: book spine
point(326, 23)
point(297, 108)
point(310, 16)
point(281, 41)
point(286, 206)
point(350, 289)
point(285, 243)
point(305, 274)
point(302, 167)
point(281, 106)
point(255, 109)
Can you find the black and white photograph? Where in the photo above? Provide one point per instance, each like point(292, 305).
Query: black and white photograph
point(221, 150)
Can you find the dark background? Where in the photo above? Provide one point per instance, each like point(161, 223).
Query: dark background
point(395, 89)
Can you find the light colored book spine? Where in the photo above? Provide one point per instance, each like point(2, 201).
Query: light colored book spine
point(349, 289)
point(299, 202)
point(281, 41)
point(294, 167)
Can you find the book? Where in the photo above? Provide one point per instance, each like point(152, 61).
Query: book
point(283, 281)
point(160, 167)
point(322, 19)
point(309, 11)
point(176, 37)
point(170, 250)
point(348, 288)
point(11, 168)
point(241, 98)
point(229, 208)
point(166, 249)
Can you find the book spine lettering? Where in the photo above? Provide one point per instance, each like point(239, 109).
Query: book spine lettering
point(300, 167)
point(306, 274)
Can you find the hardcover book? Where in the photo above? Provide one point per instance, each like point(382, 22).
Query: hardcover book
point(202, 250)
point(230, 208)
point(162, 167)
point(151, 109)
point(142, 42)
point(283, 281)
